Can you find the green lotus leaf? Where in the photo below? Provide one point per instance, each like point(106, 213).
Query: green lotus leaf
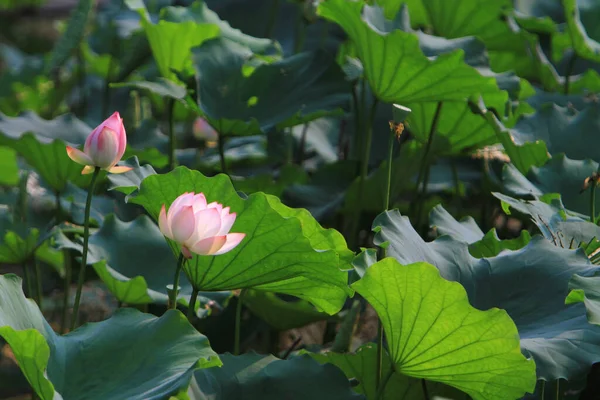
point(200, 13)
point(280, 313)
point(285, 250)
point(384, 54)
point(171, 42)
point(312, 85)
point(581, 31)
point(508, 47)
point(539, 15)
point(269, 378)
point(559, 175)
point(467, 230)
point(523, 155)
point(42, 144)
point(9, 169)
point(143, 280)
point(546, 326)
point(434, 333)
point(130, 181)
point(129, 356)
point(359, 366)
point(586, 290)
point(162, 87)
point(554, 222)
point(563, 130)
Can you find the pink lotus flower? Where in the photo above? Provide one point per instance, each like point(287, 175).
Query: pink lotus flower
point(103, 148)
point(199, 227)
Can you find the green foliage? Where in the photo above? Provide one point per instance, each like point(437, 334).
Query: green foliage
point(267, 377)
point(72, 36)
point(463, 133)
point(284, 250)
point(434, 333)
point(538, 311)
point(125, 355)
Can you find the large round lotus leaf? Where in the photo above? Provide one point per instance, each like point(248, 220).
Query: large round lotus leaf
point(285, 250)
point(136, 264)
point(467, 230)
point(265, 377)
point(311, 84)
point(395, 66)
point(530, 284)
point(360, 366)
point(558, 226)
point(559, 175)
point(42, 144)
point(129, 356)
point(586, 290)
point(563, 130)
point(434, 333)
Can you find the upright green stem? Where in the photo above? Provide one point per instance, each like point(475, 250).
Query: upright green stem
point(593, 202)
point(173, 299)
point(86, 237)
point(221, 145)
point(172, 144)
point(300, 32)
point(38, 281)
point(364, 169)
point(423, 176)
point(388, 186)
point(272, 19)
point(380, 333)
point(67, 290)
point(425, 391)
point(27, 278)
point(569, 71)
point(302, 144)
point(192, 307)
point(238, 323)
point(384, 382)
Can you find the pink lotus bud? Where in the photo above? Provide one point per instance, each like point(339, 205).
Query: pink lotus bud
point(204, 131)
point(103, 148)
point(199, 227)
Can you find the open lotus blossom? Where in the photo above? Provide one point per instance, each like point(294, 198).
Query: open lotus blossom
point(199, 227)
point(103, 148)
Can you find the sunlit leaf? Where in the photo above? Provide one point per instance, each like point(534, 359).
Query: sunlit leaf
point(396, 68)
point(546, 326)
point(360, 366)
point(284, 250)
point(434, 333)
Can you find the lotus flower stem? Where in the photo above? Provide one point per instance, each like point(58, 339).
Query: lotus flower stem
point(593, 203)
point(172, 147)
point(192, 307)
point(384, 382)
point(86, 236)
point(364, 164)
point(423, 176)
point(389, 169)
point(221, 144)
point(67, 290)
point(38, 281)
point(238, 323)
point(27, 278)
point(425, 391)
point(173, 300)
